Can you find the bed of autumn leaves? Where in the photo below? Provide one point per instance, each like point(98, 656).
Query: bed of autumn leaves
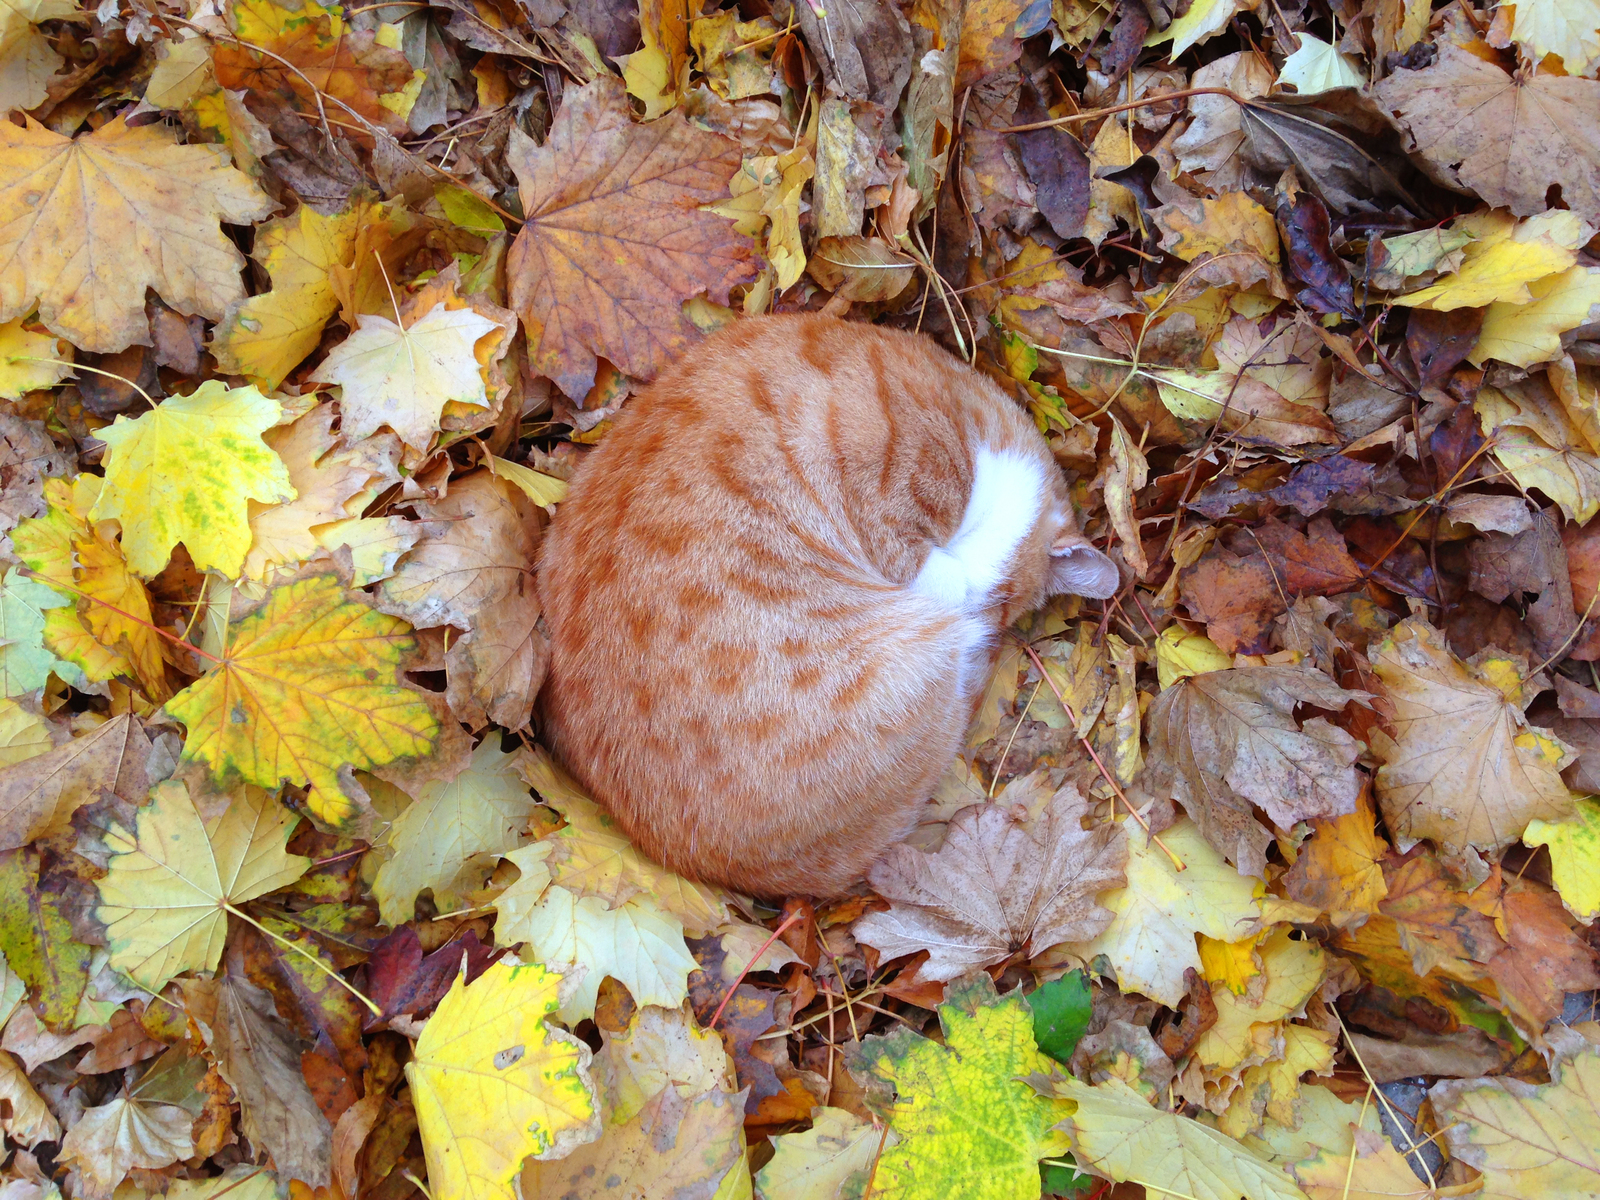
point(1276, 876)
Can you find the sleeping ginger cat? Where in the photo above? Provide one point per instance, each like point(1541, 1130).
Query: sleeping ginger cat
point(775, 589)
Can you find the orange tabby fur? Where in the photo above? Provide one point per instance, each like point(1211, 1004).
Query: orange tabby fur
point(741, 669)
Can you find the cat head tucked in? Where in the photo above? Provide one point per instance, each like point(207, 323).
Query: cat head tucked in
point(776, 588)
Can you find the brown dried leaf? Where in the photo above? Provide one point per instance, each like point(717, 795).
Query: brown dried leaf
point(615, 240)
point(1226, 740)
point(39, 796)
point(1000, 885)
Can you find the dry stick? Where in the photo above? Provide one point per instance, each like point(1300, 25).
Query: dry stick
point(1147, 102)
point(872, 1175)
point(1177, 863)
point(788, 921)
point(1015, 729)
point(1394, 1115)
point(1350, 1167)
point(1426, 508)
point(76, 366)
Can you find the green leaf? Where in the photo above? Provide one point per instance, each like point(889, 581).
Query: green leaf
point(971, 1128)
point(1061, 1014)
point(36, 936)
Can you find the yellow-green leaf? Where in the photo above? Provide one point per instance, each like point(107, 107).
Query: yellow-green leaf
point(164, 898)
point(310, 684)
point(1574, 857)
point(493, 1083)
point(186, 471)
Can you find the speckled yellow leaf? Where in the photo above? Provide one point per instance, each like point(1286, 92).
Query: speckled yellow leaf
point(185, 472)
point(310, 683)
point(265, 337)
point(1574, 857)
point(123, 209)
point(493, 1083)
point(164, 899)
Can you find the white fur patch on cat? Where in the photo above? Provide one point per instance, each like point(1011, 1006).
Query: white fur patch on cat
point(1007, 491)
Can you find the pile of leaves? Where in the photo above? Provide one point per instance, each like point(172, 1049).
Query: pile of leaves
point(1274, 876)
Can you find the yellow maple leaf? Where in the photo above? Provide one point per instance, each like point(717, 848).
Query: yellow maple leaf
point(124, 209)
point(21, 350)
point(658, 72)
point(184, 471)
point(309, 684)
point(265, 337)
point(23, 734)
point(1272, 1090)
point(493, 1083)
point(182, 69)
point(1524, 334)
point(1574, 857)
point(1249, 1025)
point(1231, 223)
point(106, 627)
point(1150, 941)
point(1372, 1169)
point(1569, 28)
point(1202, 20)
point(1504, 257)
point(27, 60)
point(544, 490)
point(403, 377)
point(1318, 66)
point(171, 881)
point(1540, 444)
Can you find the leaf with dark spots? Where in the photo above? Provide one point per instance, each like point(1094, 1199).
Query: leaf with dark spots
point(1345, 485)
point(36, 936)
point(1127, 41)
point(1057, 165)
point(1303, 226)
point(1440, 341)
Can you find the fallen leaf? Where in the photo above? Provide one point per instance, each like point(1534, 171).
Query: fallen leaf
point(602, 270)
point(1503, 258)
point(1315, 66)
point(112, 757)
point(473, 569)
point(27, 1120)
point(1226, 740)
point(310, 684)
point(265, 337)
point(1118, 1135)
point(1568, 28)
point(1464, 767)
point(1339, 867)
point(1227, 225)
point(1210, 144)
point(25, 664)
point(1150, 942)
point(1507, 138)
point(1574, 845)
point(1545, 957)
point(1525, 334)
point(833, 1158)
point(1375, 1170)
point(27, 60)
point(1536, 441)
point(36, 936)
point(1527, 1140)
point(1250, 1026)
point(1001, 885)
point(402, 377)
point(108, 1142)
point(172, 880)
point(969, 1126)
point(488, 1049)
point(131, 210)
point(184, 471)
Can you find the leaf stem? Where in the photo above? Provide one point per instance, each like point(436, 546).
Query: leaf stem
point(77, 366)
point(305, 954)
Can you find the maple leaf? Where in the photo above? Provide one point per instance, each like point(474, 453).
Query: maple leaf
point(1117, 1134)
point(1524, 334)
point(1249, 1027)
point(658, 71)
point(330, 485)
point(1150, 941)
point(73, 256)
point(23, 735)
point(106, 1143)
point(488, 1049)
point(107, 627)
point(448, 827)
point(291, 55)
point(310, 684)
point(402, 377)
point(1339, 868)
point(20, 348)
point(1226, 740)
point(1508, 138)
point(1537, 441)
point(1464, 767)
point(1503, 258)
point(1230, 224)
point(1373, 1170)
point(265, 337)
point(1000, 885)
point(614, 241)
point(1211, 142)
point(173, 879)
point(969, 1126)
point(28, 1119)
point(1569, 28)
point(832, 1158)
point(27, 60)
point(39, 801)
point(1574, 856)
point(37, 937)
point(24, 606)
point(1316, 66)
point(1527, 1140)
point(473, 569)
point(184, 471)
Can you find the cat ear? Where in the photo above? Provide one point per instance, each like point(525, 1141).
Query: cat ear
point(1078, 569)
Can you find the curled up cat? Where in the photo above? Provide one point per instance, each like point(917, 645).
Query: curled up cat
point(776, 589)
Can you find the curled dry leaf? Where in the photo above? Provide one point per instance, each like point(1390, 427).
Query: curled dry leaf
point(125, 1135)
point(1224, 741)
point(1000, 885)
